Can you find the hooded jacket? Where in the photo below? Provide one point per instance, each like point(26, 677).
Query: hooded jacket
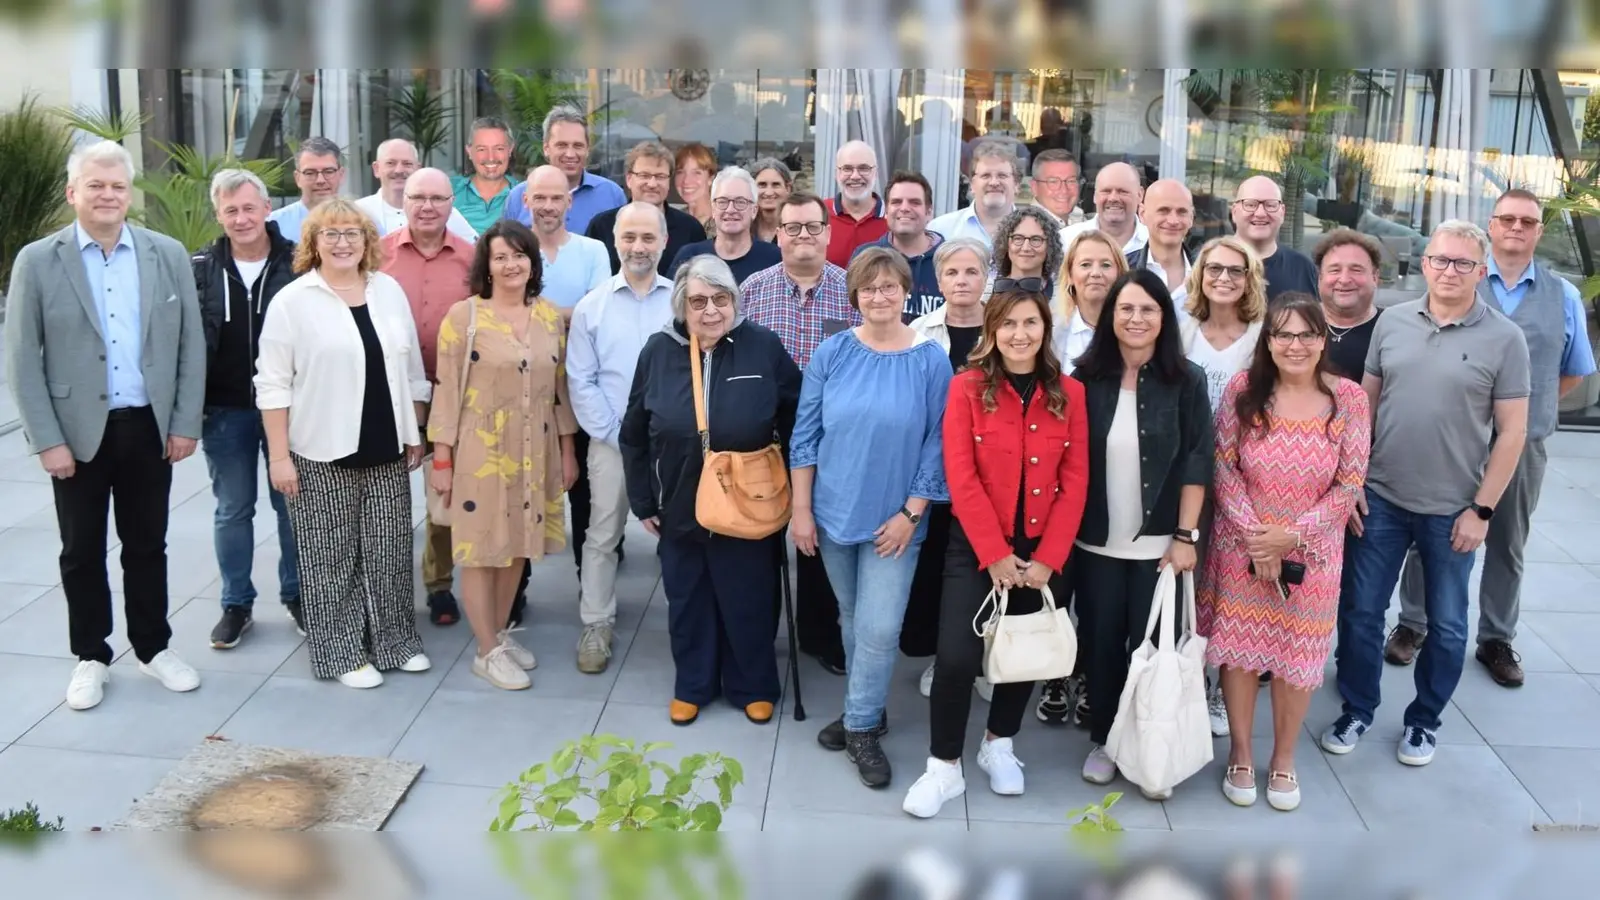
point(232, 313)
point(753, 388)
point(925, 296)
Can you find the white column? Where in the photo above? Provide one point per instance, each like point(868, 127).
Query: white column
point(832, 127)
point(1174, 124)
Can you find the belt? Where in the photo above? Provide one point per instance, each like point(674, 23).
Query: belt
point(127, 412)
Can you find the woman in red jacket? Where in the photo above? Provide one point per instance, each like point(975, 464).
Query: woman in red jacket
point(1017, 461)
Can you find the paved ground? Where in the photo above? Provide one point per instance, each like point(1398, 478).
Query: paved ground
point(1508, 758)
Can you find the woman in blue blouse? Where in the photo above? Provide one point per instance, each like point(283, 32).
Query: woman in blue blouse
point(867, 461)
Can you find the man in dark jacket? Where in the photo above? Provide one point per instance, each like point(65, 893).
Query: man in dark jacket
point(649, 180)
point(237, 277)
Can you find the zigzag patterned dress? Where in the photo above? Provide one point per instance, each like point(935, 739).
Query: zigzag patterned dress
point(1300, 473)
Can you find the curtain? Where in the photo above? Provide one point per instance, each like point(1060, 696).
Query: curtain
point(856, 104)
point(1459, 191)
point(330, 116)
point(936, 135)
point(1174, 124)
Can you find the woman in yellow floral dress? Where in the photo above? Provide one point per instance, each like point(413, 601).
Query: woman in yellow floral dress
point(503, 452)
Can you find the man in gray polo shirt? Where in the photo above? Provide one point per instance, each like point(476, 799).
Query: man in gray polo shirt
point(1444, 374)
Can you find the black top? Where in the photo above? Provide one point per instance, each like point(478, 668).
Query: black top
point(1347, 350)
point(761, 255)
point(233, 312)
point(682, 230)
point(963, 338)
point(380, 441)
point(1289, 270)
point(1024, 384)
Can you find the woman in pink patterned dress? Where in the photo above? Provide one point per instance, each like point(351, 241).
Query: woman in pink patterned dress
point(1292, 443)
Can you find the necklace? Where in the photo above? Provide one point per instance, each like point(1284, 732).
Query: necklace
point(1338, 333)
point(343, 287)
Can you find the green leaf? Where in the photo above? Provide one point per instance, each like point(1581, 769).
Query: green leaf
point(608, 816)
point(625, 792)
point(641, 781)
point(566, 818)
point(1110, 800)
point(733, 767)
point(564, 759)
point(724, 782)
point(678, 785)
point(656, 746)
point(663, 824)
point(645, 814)
point(510, 808)
point(707, 816)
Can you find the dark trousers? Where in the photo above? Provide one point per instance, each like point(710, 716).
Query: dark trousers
point(816, 610)
point(1114, 599)
point(132, 468)
point(721, 629)
point(960, 656)
point(919, 632)
point(579, 495)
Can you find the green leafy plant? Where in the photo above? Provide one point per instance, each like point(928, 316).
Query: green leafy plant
point(620, 788)
point(637, 866)
point(103, 125)
point(422, 116)
point(33, 178)
point(527, 97)
point(27, 820)
point(177, 199)
point(1095, 831)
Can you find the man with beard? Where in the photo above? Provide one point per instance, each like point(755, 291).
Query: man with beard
point(1258, 211)
point(395, 161)
point(1117, 196)
point(1347, 269)
point(910, 206)
point(995, 174)
point(318, 173)
point(733, 205)
point(482, 196)
point(609, 328)
point(649, 166)
point(855, 215)
point(566, 146)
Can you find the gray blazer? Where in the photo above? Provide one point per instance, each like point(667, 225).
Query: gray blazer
point(56, 354)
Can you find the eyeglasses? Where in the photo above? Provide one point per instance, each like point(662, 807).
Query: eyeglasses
point(856, 170)
point(352, 236)
point(1304, 338)
point(738, 203)
point(314, 174)
point(1251, 206)
point(1463, 266)
point(792, 229)
point(429, 199)
point(1510, 221)
point(1055, 183)
point(721, 300)
point(1034, 241)
point(1215, 271)
point(650, 177)
point(1026, 285)
point(993, 176)
point(889, 291)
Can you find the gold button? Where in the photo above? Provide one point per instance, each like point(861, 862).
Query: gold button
point(1033, 521)
point(1033, 427)
point(1036, 492)
point(978, 438)
point(1034, 460)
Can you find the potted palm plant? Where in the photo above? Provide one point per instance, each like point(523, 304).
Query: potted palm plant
point(34, 147)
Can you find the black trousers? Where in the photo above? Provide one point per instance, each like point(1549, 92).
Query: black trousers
point(919, 631)
point(960, 656)
point(721, 629)
point(816, 610)
point(1114, 599)
point(579, 495)
point(131, 468)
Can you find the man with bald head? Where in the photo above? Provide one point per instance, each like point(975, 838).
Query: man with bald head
point(574, 265)
point(1258, 211)
point(1117, 195)
point(855, 214)
point(396, 159)
point(431, 264)
point(1167, 215)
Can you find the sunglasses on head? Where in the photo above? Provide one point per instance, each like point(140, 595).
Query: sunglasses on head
point(1026, 285)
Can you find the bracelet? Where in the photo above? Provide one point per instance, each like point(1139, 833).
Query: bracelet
point(279, 459)
point(442, 466)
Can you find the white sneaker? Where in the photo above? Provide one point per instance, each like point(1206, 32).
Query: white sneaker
point(173, 673)
point(925, 684)
point(1218, 711)
point(941, 783)
point(519, 654)
point(88, 685)
point(1005, 771)
point(984, 688)
point(500, 670)
point(1157, 796)
point(418, 663)
point(365, 677)
point(1099, 768)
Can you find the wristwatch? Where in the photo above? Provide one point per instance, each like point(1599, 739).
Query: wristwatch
point(910, 515)
point(1484, 512)
point(1187, 535)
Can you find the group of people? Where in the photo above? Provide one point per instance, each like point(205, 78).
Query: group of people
point(1011, 397)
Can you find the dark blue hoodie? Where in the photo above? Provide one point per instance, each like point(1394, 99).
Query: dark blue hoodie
point(924, 297)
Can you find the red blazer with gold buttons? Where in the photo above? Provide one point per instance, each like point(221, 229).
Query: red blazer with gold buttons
point(984, 457)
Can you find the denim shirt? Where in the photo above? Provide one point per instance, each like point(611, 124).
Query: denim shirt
point(1176, 443)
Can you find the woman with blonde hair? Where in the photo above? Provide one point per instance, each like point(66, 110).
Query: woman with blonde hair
point(693, 167)
point(341, 388)
point(1091, 263)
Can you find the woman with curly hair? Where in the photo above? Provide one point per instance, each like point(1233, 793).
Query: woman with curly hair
point(1027, 245)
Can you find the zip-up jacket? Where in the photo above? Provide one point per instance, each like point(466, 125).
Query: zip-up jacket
point(752, 389)
point(232, 313)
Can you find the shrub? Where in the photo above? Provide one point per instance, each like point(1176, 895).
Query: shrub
point(27, 820)
point(34, 147)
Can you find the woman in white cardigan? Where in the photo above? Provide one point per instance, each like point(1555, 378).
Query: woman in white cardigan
point(340, 384)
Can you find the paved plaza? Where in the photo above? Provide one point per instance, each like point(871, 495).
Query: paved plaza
point(1508, 758)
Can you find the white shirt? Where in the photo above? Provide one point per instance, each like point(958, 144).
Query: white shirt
point(1220, 365)
point(249, 270)
point(1124, 491)
point(312, 362)
point(964, 222)
point(1180, 294)
point(388, 218)
point(1070, 340)
point(1141, 234)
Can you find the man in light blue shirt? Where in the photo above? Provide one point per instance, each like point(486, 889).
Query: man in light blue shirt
point(573, 264)
point(319, 173)
point(566, 146)
point(114, 284)
point(609, 328)
point(995, 176)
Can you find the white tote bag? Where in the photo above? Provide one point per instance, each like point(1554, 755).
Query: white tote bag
point(1162, 733)
point(1034, 647)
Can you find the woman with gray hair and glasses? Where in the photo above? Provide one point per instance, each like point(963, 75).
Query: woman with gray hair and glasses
point(774, 184)
point(721, 630)
point(1027, 252)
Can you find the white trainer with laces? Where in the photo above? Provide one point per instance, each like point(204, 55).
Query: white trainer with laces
point(173, 673)
point(999, 759)
point(363, 678)
point(1098, 768)
point(1218, 711)
point(88, 685)
point(418, 663)
point(519, 654)
point(941, 783)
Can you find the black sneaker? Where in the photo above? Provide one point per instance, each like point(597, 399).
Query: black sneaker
point(235, 621)
point(293, 608)
point(1080, 705)
point(863, 749)
point(832, 737)
point(442, 609)
point(1054, 702)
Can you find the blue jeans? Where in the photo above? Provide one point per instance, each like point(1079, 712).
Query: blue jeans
point(872, 592)
point(1378, 554)
point(233, 441)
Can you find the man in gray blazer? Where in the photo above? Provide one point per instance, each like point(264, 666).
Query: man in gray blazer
point(106, 356)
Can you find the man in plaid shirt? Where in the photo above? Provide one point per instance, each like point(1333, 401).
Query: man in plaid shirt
point(804, 299)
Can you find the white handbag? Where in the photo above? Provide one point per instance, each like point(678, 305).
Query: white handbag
point(1162, 733)
point(1034, 647)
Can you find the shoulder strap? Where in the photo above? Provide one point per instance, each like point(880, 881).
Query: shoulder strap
point(696, 385)
point(466, 357)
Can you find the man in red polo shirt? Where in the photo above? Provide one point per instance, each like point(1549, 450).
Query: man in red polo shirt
point(855, 214)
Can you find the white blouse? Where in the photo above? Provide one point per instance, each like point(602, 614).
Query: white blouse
point(311, 361)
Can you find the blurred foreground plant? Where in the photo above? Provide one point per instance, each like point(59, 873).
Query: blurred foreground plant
point(1095, 831)
point(26, 820)
point(604, 864)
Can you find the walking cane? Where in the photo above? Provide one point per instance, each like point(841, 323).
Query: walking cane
point(794, 642)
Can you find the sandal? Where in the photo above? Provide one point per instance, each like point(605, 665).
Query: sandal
point(1239, 796)
point(1283, 801)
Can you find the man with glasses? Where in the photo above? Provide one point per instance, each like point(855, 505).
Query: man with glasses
point(566, 146)
point(1056, 183)
point(995, 174)
point(1550, 313)
point(1117, 195)
point(855, 214)
point(482, 195)
point(804, 299)
point(318, 173)
point(1257, 212)
point(910, 202)
point(431, 264)
point(1167, 215)
point(649, 167)
point(733, 205)
point(1447, 377)
point(395, 161)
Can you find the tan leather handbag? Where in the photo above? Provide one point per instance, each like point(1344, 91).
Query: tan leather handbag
point(742, 495)
point(438, 510)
